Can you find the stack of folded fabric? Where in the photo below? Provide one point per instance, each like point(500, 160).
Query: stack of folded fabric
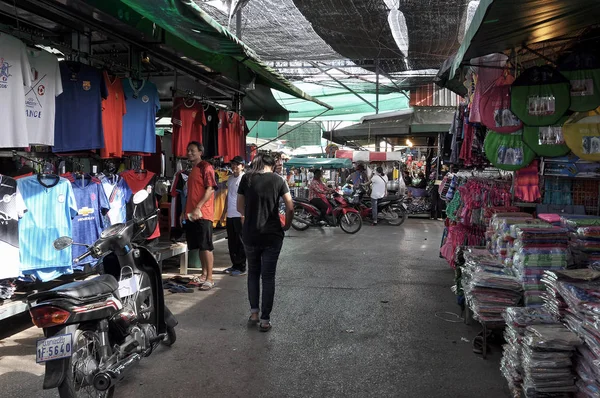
point(547, 360)
point(489, 287)
point(499, 230)
point(537, 250)
point(517, 319)
point(551, 218)
point(585, 238)
point(577, 293)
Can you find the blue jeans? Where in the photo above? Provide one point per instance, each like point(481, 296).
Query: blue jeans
point(374, 210)
point(262, 262)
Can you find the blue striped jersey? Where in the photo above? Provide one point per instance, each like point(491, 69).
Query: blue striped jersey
point(50, 209)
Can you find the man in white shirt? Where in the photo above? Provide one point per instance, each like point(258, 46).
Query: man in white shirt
point(378, 190)
point(234, 220)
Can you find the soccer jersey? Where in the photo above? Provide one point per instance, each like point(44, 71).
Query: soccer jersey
point(88, 224)
point(118, 194)
point(40, 98)
point(113, 109)
point(140, 120)
point(136, 182)
point(50, 206)
point(188, 122)
point(201, 178)
point(15, 72)
point(11, 208)
point(78, 124)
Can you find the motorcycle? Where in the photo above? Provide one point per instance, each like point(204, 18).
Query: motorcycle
point(340, 213)
point(98, 329)
point(392, 209)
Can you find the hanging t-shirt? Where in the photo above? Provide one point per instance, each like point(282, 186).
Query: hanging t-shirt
point(136, 182)
point(118, 194)
point(12, 208)
point(210, 133)
point(50, 209)
point(92, 204)
point(188, 122)
point(223, 135)
point(40, 98)
point(78, 125)
point(139, 122)
point(15, 72)
point(113, 109)
point(233, 184)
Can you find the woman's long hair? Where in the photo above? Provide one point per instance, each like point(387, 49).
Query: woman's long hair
point(258, 165)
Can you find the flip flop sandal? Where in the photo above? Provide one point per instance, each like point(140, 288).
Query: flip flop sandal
point(264, 327)
point(200, 279)
point(207, 286)
point(181, 289)
point(195, 282)
point(252, 322)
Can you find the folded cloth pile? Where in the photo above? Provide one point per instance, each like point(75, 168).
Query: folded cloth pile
point(498, 232)
point(547, 360)
point(517, 319)
point(489, 287)
point(576, 294)
point(551, 218)
point(585, 238)
point(537, 250)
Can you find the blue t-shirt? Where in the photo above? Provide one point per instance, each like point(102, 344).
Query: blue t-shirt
point(78, 122)
point(142, 102)
point(92, 204)
point(50, 209)
point(118, 194)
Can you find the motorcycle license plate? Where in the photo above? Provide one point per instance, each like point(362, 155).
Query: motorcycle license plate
point(55, 347)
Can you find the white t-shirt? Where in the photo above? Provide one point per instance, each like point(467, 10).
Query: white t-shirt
point(232, 190)
point(379, 184)
point(40, 97)
point(15, 72)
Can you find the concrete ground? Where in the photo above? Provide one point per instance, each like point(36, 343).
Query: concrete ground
point(365, 315)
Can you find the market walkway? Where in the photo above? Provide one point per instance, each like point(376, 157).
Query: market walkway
point(355, 316)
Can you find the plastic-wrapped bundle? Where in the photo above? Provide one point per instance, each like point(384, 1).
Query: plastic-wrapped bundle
point(489, 294)
point(573, 222)
point(588, 232)
point(588, 373)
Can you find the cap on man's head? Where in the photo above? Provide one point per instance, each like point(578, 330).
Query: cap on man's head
point(238, 160)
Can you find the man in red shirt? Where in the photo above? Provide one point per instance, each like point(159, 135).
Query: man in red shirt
point(199, 211)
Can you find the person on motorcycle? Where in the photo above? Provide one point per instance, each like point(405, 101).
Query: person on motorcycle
point(317, 193)
point(359, 176)
point(378, 190)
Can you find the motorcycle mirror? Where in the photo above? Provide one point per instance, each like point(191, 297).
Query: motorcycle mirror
point(62, 243)
point(140, 196)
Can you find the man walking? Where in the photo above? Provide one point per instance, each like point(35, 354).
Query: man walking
point(234, 220)
point(199, 211)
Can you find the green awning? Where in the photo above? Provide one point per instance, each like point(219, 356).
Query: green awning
point(202, 39)
point(322, 163)
point(501, 25)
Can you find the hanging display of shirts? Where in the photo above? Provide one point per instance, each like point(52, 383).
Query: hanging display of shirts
point(118, 194)
point(12, 207)
point(136, 181)
point(210, 133)
point(139, 122)
point(51, 206)
point(15, 72)
point(113, 110)
point(231, 135)
point(92, 204)
point(188, 122)
point(79, 109)
point(40, 97)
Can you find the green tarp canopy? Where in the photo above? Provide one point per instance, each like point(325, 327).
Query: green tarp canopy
point(501, 25)
point(322, 163)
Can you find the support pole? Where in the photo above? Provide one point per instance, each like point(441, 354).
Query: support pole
point(377, 86)
point(238, 23)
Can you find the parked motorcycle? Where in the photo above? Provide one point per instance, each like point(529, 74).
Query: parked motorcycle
point(392, 209)
point(340, 214)
point(98, 329)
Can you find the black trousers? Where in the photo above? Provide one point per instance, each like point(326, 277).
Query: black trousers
point(321, 205)
point(234, 242)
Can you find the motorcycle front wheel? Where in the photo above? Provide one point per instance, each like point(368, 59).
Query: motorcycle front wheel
point(396, 217)
point(83, 365)
point(350, 223)
point(300, 213)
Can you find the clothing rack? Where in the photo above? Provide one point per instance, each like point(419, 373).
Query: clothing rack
point(201, 98)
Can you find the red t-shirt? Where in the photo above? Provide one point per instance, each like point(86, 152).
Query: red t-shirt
point(201, 177)
point(113, 109)
point(188, 121)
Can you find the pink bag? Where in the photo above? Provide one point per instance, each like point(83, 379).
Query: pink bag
point(495, 107)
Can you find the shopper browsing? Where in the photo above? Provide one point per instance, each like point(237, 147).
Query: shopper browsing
point(378, 190)
point(234, 220)
point(199, 211)
point(258, 201)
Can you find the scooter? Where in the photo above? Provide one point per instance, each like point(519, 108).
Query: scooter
point(339, 213)
point(96, 330)
point(392, 209)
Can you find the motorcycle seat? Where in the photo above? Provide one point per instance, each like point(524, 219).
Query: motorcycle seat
point(80, 290)
point(390, 198)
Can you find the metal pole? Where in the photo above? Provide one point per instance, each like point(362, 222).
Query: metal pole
point(238, 23)
point(377, 86)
